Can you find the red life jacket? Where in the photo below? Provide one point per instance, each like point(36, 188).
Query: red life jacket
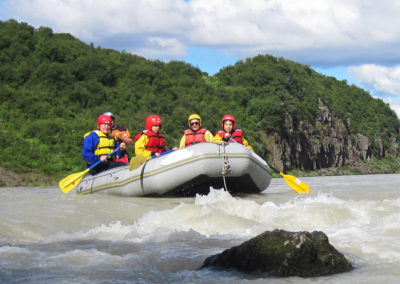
point(156, 142)
point(194, 137)
point(138, 136)
point(124, 159)
point(237, 135)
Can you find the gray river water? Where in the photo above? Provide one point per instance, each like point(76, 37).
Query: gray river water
point(49, 237)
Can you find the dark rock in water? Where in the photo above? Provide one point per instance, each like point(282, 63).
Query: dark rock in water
point(282, 253)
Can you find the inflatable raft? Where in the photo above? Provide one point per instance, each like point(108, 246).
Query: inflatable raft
point(186, 172)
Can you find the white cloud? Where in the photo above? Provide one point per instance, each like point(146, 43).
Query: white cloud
point(309, 31)
point(96, 20)
point(284, 25)
point(396, 108)
point(383, 82)
point(159, 47)
point(381, 78)
point(394, 103)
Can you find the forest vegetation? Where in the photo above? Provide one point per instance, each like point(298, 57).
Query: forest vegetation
point(53, 86)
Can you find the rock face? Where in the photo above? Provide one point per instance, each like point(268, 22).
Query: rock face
point(327, 143)
point(282, 253)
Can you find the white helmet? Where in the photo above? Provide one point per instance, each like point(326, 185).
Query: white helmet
point(108, 113)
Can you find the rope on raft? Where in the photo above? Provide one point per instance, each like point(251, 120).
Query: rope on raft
point(226, 169)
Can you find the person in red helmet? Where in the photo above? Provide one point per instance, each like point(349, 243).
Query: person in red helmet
point(98, 144)
point(229, 132)
point(150, 142)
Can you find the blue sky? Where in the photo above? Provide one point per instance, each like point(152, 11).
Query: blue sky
point(353, 40)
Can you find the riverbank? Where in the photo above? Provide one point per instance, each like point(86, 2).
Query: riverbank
point(11, 179)
point(388, 165)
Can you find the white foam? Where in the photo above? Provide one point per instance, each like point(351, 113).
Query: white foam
point(361, 227)
point(219, 213)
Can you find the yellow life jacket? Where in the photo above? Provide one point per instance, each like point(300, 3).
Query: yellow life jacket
point(106, 143)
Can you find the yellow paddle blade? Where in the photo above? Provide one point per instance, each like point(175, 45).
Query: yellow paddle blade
point(137, 161)
point(68, 183)
point(296, 184)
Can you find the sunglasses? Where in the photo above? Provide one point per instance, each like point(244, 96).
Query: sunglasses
point(194, 123)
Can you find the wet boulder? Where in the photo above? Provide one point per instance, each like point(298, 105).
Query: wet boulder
point(283, 253)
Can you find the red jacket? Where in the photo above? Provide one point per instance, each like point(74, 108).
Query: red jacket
point(237, 135)
point(194, 137)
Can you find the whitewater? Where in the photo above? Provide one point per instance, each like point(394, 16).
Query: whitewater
point(49, 237)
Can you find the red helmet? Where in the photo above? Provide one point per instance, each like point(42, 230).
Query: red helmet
point(228, 117)
point(103, 119)
point(152, 120)
point(110, 115)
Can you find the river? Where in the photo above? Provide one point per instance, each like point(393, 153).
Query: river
point(49, 237)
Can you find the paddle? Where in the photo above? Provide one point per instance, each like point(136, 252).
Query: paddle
point(292, 181)
point(138, 160)
point(69, 182)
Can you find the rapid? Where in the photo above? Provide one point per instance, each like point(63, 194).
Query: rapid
point(49, 237)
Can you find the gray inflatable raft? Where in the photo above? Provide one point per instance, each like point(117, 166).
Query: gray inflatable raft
point(186, 172)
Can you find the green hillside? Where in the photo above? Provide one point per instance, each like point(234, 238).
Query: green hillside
point(53, 87)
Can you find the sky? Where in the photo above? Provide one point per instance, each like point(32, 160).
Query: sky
point(353, 40)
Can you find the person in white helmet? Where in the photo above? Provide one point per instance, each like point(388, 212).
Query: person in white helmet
point(122, 136)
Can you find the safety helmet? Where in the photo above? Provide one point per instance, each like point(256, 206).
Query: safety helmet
point(110, 115)
point(103, 119)
point(194, 116)
point(152, 120)
point(228, 117)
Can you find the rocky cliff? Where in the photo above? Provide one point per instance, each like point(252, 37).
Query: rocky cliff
point(327, 143)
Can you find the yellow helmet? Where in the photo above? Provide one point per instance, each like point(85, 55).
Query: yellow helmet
point(194, 116)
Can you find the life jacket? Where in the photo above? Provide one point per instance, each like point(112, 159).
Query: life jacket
point(124, 159)
point(121, 131)
point(156, 142)
point(106, 143)
point(139, 135)
point(192, 137)
point(237, 135)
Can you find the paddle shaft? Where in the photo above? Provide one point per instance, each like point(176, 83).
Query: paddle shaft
point(292, 181)
point(69, 182)
point(275, 170)
point(99, 161)
point(163, 153)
